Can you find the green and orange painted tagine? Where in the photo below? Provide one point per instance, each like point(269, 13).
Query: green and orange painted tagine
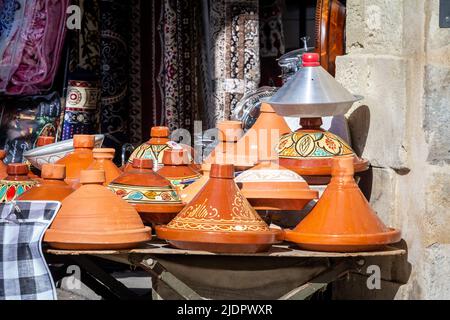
point(152, 195)
point(16, 182)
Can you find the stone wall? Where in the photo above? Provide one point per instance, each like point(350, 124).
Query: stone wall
point(399, 59)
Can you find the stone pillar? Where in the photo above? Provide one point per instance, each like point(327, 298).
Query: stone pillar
point(399, 60)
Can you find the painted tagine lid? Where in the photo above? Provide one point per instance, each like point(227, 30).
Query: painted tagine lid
point(16, 182)
point(177, 168)
point(103, 160)
point(309, 151)
point(152, 195)
point(51, 186)
point(264, 135)
point(79, 159)
point(312, 92)
point(268, 186)
point(3, 166)
point(92, 218)
point(227, 151)
point(342, 220)
point(219, 219)
point(155, 146)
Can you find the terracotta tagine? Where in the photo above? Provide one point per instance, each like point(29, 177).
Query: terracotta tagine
point(188, 193)
point(16, 182)
point(342, 220)
point(264, 135)
point(154, 148)
point(103, 160)
point(219, 219)
point(227, 152)
point(51, 187)
point(177, 169)
point(269, 186)
point(152, 195)
point(3, 166)
point(78, 160)
point(309, 152)
point(93, 218)
point(44, 141)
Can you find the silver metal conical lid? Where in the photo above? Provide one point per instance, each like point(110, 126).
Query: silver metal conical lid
point(312, 92)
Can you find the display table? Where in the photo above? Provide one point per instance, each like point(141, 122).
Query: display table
point(285, 272)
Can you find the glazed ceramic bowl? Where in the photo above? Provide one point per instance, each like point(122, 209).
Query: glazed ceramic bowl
point(55, 151)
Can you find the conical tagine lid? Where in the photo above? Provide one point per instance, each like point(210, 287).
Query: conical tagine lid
point(312, 92)
point(219, 219)
point(309, 151)
point(342, 220)
point(269, 186)
point(51, 187)
point(94, 218)
point(153, 196)
point(103, 160)
point(264, 135)
point(16, 182)
point(177, 168)
point(188, 193)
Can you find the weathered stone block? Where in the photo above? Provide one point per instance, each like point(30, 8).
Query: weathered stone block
point(436, 113)
point(382, 81)
point(436, 272)
point(383, 197)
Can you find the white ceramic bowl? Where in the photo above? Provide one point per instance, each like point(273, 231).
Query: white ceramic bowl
point(55, 151)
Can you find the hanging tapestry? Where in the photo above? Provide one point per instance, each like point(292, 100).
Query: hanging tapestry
point(235, 35)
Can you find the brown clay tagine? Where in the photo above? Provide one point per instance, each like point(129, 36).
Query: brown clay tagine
point(177, 168)
point(309, 152)
point(227, 151)
point(103, 161)
point(219, 219)
point(16, 182)
point(51, 186)
point(93, 218)
point(152, 195)
point(78, 160)
point(342, 220)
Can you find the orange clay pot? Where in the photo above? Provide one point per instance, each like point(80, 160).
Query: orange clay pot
point(342, 220)
point(227, 152)
point(153, 196)
point(78, 160)
point(16, 182)
point(177, 168)
point(103, 161)
point(94, 218)
point(263, 137)
point(188, 193)
point(3, 166)
point(44, 140)
point(154, 148)
point(269, 186)
point(219, 219)
point(309, 152)
point(51, 187)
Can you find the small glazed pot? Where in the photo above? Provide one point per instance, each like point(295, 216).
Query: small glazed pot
point(16, 182)
point(78, 160)
point(177, 168)
point(51, 186)
point(103, 161)
point(342, 220)
point(152, 195)
point(219, 219)
point(309, 152)
point(93, 218)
